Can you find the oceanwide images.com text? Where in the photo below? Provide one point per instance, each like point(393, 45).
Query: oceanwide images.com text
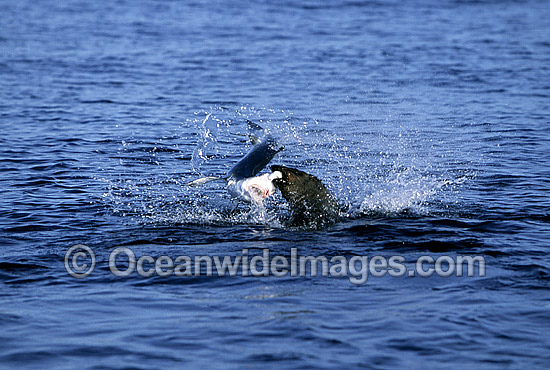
point(80, 261)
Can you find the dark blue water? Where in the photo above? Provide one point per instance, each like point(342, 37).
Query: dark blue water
point(428, 120)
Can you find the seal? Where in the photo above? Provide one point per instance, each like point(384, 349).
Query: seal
point(312, 205)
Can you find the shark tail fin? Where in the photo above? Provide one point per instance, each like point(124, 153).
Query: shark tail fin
point(255, 129)
point(253, 138)
point(203, 180)
point(252, 126)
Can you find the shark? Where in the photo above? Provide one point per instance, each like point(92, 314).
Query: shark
point(242, 180)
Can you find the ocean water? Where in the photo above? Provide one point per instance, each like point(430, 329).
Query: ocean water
point(428, 120)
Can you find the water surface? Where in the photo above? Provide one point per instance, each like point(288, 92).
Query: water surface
point(427, 120)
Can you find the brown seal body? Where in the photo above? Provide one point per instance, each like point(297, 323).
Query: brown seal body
point(312, 205)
